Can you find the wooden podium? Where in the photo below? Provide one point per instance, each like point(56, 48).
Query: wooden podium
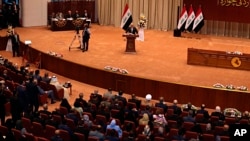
point(130, 47)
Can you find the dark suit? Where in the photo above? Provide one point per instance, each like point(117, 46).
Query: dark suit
point(15, 44)
point(132, 30)
point(85, 38)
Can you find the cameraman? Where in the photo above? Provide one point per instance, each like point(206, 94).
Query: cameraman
point(85, 37)
point(15, 43)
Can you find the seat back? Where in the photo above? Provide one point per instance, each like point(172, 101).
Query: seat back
point(79, 136)
point(188, 125)
point(30, 137)
point(16, 133)
point(91, 138)
point(208, 137)
point(3, 130)
point(49, 131)
point(70, 123)
point(63, 110)
point(65, 135)
point(42, 139)
point(38, 129)
point(27, 124)
point(100, 119)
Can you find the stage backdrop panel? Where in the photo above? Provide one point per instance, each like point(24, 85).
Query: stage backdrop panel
point(222, 10)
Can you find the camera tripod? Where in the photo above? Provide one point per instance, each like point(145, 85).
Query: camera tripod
point(77, 35)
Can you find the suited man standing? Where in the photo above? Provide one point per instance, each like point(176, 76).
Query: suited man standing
point(132, 29)
point(15, 43)
point(85, 37)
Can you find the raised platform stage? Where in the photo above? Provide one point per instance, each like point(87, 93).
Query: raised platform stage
point(159, 67)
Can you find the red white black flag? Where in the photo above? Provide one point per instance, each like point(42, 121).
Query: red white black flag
point(198, 21)
point(126, 18)
point(182, 19)
point(190, 19)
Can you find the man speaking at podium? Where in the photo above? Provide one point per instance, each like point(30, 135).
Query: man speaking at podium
point(132, 29)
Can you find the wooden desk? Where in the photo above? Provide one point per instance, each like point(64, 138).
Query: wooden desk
point(62, 25)
point(221, 59)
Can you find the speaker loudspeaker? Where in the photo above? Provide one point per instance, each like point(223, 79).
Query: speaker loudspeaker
point(177, 33)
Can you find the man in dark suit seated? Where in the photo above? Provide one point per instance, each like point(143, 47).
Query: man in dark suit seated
point(135, 100)
point(204, 112)
point(76, 15)
point(69, 15)
point(162, 104)
point(121, 98)
point(189, 117)
point(176, 108)
point(132, 29)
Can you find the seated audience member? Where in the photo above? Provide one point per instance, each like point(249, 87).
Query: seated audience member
point(116, 127)
point(45, 110)
point(50, 93)
point(245, 115)
point(96, 132)
point(162, 104)
point(87, 121)
point(131, 114)
point(204, 112)
point(63, 126)
point(60, 16)
point(209, 129)
point(219, 114)
point(65, 103)
point(103, 110)
point(189, 108)
point(78, 108)
point(85, 14)
point(189, 117)
point(106, 102)
point(176, 108)
point(131, 137)
point(225, 132)
point(73, 115)
point(144, 120)
point(37, 76)
point(147, 132)
point(83, 129)
point(5, 75)
point(82, 102)
point(112, 136)
point(181, 135)
point(46, 78)
point(108, 95)
point(159, 119)
point(57, 136)
point(135, 100)
point(76, 15)
point(95, 98)
point(69, 14)
point(58, 86)
point(148, 101)
point(160, 132)
point(148, 111)
point(121, 98)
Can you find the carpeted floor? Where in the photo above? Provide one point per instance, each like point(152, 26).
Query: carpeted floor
point(160, 57)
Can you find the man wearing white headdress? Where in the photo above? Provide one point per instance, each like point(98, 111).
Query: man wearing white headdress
point(54, 81)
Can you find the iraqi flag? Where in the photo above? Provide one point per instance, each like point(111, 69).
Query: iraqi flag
point(198, 21)
point(182, 19)
point(126, 18)
point(190, 19)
